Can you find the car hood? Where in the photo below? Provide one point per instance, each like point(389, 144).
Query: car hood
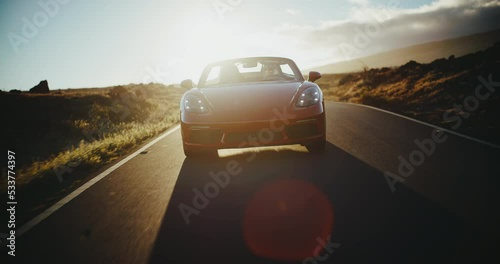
point(249, 102)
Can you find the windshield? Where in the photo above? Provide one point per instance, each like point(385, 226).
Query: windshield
point(250, 70)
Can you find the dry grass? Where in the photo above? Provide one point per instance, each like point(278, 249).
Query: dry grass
point(96, 153)
point(425, 91)
point(83, 129)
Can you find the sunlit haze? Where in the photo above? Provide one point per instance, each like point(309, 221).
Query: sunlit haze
point(94, 43)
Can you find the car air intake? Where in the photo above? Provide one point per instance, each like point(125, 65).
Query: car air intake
point(302, 131)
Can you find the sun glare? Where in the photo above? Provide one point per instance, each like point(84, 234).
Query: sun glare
point(208, 41)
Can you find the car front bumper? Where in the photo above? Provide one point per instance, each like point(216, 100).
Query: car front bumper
point(275, 132)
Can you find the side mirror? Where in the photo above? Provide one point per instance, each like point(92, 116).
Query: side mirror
point(187, 84)
point(314, 76)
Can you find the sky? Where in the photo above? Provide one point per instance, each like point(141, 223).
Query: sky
point(98, 43)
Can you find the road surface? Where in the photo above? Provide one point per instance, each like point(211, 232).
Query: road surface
point(444, 212)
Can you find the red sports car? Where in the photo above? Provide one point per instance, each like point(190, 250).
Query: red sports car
point(252, 102)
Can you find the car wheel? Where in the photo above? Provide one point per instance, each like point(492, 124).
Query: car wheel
point(317, 147)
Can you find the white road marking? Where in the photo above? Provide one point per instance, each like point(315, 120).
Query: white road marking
point(88, 184)
point(427, 124)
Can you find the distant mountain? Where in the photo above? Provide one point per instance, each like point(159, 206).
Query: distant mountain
point(423, 53)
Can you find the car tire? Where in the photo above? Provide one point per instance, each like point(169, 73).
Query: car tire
point(203, 154)
point(317, 147)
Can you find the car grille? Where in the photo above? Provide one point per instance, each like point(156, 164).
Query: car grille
point(205, 136)
point(239, 137)
point(301, 131)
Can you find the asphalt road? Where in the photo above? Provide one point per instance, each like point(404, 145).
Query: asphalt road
point(446, 211)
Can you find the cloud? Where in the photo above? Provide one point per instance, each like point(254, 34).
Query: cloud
point(293, 12)
point(371, 29)
point(360, 2)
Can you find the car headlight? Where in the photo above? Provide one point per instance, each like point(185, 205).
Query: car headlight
point(308, 97)
point(194, 104)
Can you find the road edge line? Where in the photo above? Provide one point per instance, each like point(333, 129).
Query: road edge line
point(427, 124)
point(42, 216)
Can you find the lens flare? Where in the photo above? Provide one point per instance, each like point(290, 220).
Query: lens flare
point(284, 219)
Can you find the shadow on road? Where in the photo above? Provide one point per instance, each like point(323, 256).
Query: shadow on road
point(370, 223)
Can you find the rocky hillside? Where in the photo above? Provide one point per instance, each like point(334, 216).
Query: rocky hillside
point(461, 93)
point(61, 137)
